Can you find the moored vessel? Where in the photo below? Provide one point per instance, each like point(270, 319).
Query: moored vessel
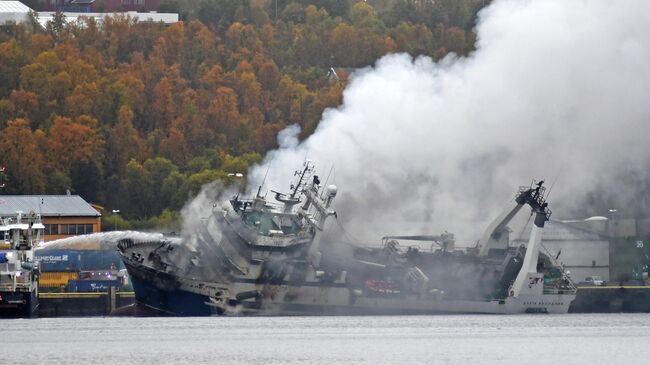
point(258, 257)
point(19, 237)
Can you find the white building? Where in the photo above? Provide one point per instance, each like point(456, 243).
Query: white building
point(17, 12)
point(582, 250)
point(13, 12)
point(167, 18)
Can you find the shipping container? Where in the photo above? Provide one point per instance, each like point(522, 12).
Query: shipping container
point(78, 260)
point(57, 260)
point(84, 286)
point(56, 279)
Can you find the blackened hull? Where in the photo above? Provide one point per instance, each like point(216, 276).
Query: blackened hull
point(174, 302)
point(27, 309)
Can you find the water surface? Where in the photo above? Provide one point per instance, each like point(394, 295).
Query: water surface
point(454, 339)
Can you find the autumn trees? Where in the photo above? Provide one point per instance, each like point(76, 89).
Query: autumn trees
point(138, 116)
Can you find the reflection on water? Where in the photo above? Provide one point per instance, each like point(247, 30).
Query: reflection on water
point(474, 339)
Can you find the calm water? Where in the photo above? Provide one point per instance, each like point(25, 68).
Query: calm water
point(477, 339)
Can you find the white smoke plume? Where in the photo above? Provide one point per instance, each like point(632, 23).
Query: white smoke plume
point(554, 88)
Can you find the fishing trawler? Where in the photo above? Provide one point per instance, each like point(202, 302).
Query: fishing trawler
point(262, 258)
point(19, 237)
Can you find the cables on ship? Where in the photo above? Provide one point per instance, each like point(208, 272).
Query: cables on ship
point(351, 240)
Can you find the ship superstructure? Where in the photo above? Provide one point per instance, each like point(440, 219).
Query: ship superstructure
point(19, 237)
point(258, 257)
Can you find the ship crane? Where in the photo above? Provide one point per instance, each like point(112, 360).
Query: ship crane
point(528, 280)
point(496, 235)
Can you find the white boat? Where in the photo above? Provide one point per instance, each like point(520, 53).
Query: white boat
point(19, 237)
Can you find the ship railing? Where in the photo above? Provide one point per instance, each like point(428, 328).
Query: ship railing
point(560, 291)
point(8, 267)
point(565, 287)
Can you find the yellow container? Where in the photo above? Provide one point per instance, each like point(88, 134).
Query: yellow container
point(56, 279)
point(4, 245)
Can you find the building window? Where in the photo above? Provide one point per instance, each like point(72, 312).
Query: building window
point(51, 229)
point(69, 229)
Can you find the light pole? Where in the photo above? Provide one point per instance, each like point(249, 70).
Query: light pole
point(611, 219)
point(115, 211)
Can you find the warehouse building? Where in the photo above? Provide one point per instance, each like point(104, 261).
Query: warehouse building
point(13, 12)
point(62, 215)
point(17, 12)
point(580, 246)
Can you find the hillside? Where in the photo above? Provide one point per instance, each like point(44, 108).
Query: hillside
point(139, 116)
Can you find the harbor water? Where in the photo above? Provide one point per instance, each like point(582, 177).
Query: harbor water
point(450, 339)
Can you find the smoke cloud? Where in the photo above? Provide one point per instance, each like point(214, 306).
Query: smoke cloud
point(554, 89)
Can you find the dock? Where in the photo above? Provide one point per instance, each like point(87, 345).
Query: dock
point(612, 299)
point(590, 299)
point(83, 304)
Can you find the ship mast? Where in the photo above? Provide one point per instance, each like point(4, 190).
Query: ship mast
point(529, 280)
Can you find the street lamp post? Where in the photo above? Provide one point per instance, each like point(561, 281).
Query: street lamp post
point(613, 222)
point(115, 211)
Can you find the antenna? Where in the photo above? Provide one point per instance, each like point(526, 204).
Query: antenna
point(301, 174)
point(327, 180)
point(41, 200)
point(265, 175)
point(552, 185)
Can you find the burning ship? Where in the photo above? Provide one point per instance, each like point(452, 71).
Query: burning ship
point(265, 258)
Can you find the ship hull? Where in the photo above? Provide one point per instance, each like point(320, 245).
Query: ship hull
point(164, 298)
point(316, 299)
point(171, 294)
point(18, 304)
point(182, 302)
point(312, 298)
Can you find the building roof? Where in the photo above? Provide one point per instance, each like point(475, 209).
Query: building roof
point(50, 205)
point(13, 11)
point(167, 18)
point(13, 7)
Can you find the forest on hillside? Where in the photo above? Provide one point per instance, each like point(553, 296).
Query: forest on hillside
point(138, 116)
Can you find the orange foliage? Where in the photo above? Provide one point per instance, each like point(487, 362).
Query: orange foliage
point(104, 97)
